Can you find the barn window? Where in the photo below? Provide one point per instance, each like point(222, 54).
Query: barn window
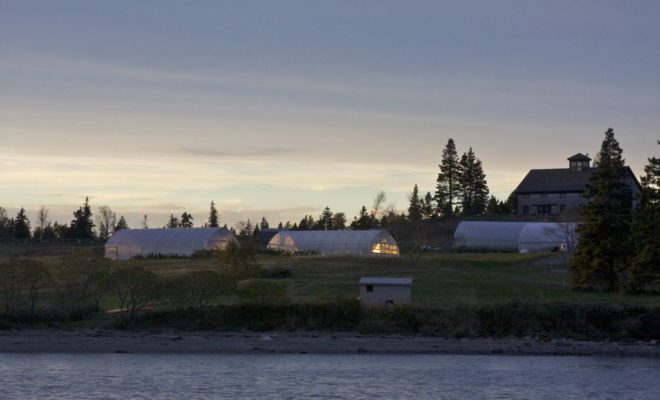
point(370, 288)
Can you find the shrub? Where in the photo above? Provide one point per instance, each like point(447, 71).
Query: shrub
point(135, 287)
point(20, 282)
point(197, 288)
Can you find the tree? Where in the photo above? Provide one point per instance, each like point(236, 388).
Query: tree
point(493, 206)
point(415, 208)
point(244, 228)
point(20, 284)
point(213, 217)
point(106, 220)
point(339, 221)
point(603, 250)
point(645, 266)
point(264, 223)
point(134, 287)
point(173, 222)
point(379, 201)
point(197, 289)
point(5, 232)
point(473, 186)
point(84, 282)
point(144, 222)
point(325, 219)
point(363, 221)
point(428, 209)
point(22, 225)
point(448, 182)
point(121, 224)
point(82, 226)
point(186, 220)
point(306, 223)
point(42, 222)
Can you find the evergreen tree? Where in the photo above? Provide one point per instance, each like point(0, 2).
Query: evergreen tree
point(415, 208)
point(264, 223)
point(645, 267)
point(448, 186)
point(145, 225)
point(363, 221)
point(5, 232)
point(213, 217)
point(48, 233)
point(121, 224)
point(603, 250)
point(82, 225)
point(473, 186)
point(22, 225)
point(306, 223)
point(428, 209)
point(186, 220)
point(325, 219)
point(173, 222)
point(280, 226)
point(493, 207)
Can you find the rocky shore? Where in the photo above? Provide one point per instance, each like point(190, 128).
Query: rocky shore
point(91, 341)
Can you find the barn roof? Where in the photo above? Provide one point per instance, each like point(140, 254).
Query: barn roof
point(554, 180)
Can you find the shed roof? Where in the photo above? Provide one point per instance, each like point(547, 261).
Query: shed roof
point(375, 280)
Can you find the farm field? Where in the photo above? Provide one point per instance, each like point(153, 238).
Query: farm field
point(440, 278)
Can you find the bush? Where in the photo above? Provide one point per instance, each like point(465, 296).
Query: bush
point(21, 281)
point(135, 287)
point(197, 289)
point(83, 281)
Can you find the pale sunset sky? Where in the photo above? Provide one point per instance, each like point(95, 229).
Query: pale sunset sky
point(280, 108)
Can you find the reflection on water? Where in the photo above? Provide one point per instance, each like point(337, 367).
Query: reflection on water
point(163, 376)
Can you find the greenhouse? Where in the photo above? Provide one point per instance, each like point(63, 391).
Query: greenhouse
point(515, 236)
point(372, 242)
point(165, 242)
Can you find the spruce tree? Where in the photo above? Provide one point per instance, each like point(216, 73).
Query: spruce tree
point(325, 219)
point(186, 220)
point(121, 224)
point(473, 185)
point(645, 266)
point(448, 187)
point(213, 217)
point(173, 222)
point(22, 225)
point(603, 251)
point(363, 221)
point(82, 225)
point(264, 223)
point(428, 208)
point(339, 221)
point(415, 207)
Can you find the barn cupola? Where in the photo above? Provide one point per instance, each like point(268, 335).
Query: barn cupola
point(578, 162)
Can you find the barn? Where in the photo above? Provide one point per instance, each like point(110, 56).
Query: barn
point(372, 242)
point(167, 242)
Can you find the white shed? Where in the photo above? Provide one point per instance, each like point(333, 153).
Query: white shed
point(179, 242)
point(373, 242)
point(379, 290)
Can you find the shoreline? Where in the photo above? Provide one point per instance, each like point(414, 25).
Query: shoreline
point(278, 342)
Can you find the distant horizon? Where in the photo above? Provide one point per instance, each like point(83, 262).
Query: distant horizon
point(281, 109)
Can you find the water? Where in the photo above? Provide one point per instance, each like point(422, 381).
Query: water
point(177, 376)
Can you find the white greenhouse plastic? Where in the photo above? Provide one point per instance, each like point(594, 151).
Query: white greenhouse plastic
point(514, 236)
point(179, 242)
point(373, 242)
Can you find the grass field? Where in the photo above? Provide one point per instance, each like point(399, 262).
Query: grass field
point(440, 278)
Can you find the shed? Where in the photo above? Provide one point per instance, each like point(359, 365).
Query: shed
point(515, 236)
point(379, 290)
point(373, 242)
point(167, 242)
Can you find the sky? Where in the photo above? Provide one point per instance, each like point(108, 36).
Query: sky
point(281, 108)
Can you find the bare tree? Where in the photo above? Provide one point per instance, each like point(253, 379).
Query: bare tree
point(564, 235)
point(144, 222)
point(106, 220)
point(42, 218)
point(380, 199)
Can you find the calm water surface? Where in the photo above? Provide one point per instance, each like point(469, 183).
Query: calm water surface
point(177, 376)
